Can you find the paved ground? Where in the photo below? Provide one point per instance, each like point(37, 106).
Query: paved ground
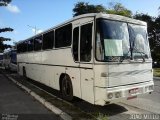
point(149, 102)
point(79, 108)
point(13, 100)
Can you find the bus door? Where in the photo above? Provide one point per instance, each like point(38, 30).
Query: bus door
point(86, 60)
point(76, 71)
point(83, 57)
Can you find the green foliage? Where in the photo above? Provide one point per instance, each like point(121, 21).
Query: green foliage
point(102, 117)
point(4, 39)
point(6, 30)
point(2, 45)
point(4, 2)
point(156, 72)
point(83, 8)
point(119, 9)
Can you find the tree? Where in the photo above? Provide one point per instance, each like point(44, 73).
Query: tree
point(119, 9)
point(2, 39)
point(6, 29)
point(4, 2)
point(157, 40)
point(83, 8)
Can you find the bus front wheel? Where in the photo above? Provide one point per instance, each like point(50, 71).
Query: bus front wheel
point(66, 88)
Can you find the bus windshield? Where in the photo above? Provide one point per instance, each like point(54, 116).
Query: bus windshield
point(120, 40)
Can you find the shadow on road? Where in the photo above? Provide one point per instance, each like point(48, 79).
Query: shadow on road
point(109, 110)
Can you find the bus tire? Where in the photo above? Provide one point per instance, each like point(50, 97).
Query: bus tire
point(66, 88)
point(24, 72)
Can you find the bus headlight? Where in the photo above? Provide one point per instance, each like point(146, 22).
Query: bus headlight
point(110, 95)
point(151, 87)
point(146, 89)
point(117, 95)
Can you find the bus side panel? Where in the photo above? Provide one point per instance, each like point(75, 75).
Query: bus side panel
point(31, 58)
point(48, 75)
point(64, 57)
point(21, 61)
point(74, 74)
point(61, 61)
point(37, 57)
point(87, 84)
point(34, 71)
point(20, 68)
point(33, 68)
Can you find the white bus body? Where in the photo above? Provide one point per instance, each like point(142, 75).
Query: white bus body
point(10, 60)
point(99, 58)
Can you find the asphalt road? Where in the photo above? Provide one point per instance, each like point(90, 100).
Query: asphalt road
point(149, 102)
point(16, 103)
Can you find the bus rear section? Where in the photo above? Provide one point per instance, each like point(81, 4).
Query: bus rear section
point(123, 67)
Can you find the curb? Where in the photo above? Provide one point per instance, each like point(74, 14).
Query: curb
point(156, 78)
point(47, 104)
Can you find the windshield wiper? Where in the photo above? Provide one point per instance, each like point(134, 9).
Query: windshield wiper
point(138, 51)
point(124, 57)
point(132, 45)
point(141, 53)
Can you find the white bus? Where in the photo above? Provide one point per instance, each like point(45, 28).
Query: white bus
point(97, 57)
point(10, 60)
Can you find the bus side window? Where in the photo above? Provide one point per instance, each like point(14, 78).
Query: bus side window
point(18, 49)
point(38, 43)
point(30, 45)
point(25, 46)
point(75, 43)
point(48, 40)
point(63, 36)
point(86, 43)
point(22, 47)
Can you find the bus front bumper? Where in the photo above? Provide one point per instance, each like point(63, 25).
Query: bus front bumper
point(104, 96)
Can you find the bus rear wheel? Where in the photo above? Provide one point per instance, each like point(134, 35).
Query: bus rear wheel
point(24, 72)
point(66, 88)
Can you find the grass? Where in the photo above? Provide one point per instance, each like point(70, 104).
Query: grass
point(156, 72)
point(102, 117)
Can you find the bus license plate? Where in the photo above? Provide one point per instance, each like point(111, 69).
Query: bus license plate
point(132, 97)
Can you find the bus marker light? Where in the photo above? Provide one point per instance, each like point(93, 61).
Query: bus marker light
point(151, 87)
point(117, 94)
point(110, 95)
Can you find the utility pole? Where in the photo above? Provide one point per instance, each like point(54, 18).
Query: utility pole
point(35, 28)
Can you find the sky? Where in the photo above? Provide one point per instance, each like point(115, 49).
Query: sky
point(24, 15)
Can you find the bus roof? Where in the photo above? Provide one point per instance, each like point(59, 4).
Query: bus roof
point(96, 15)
